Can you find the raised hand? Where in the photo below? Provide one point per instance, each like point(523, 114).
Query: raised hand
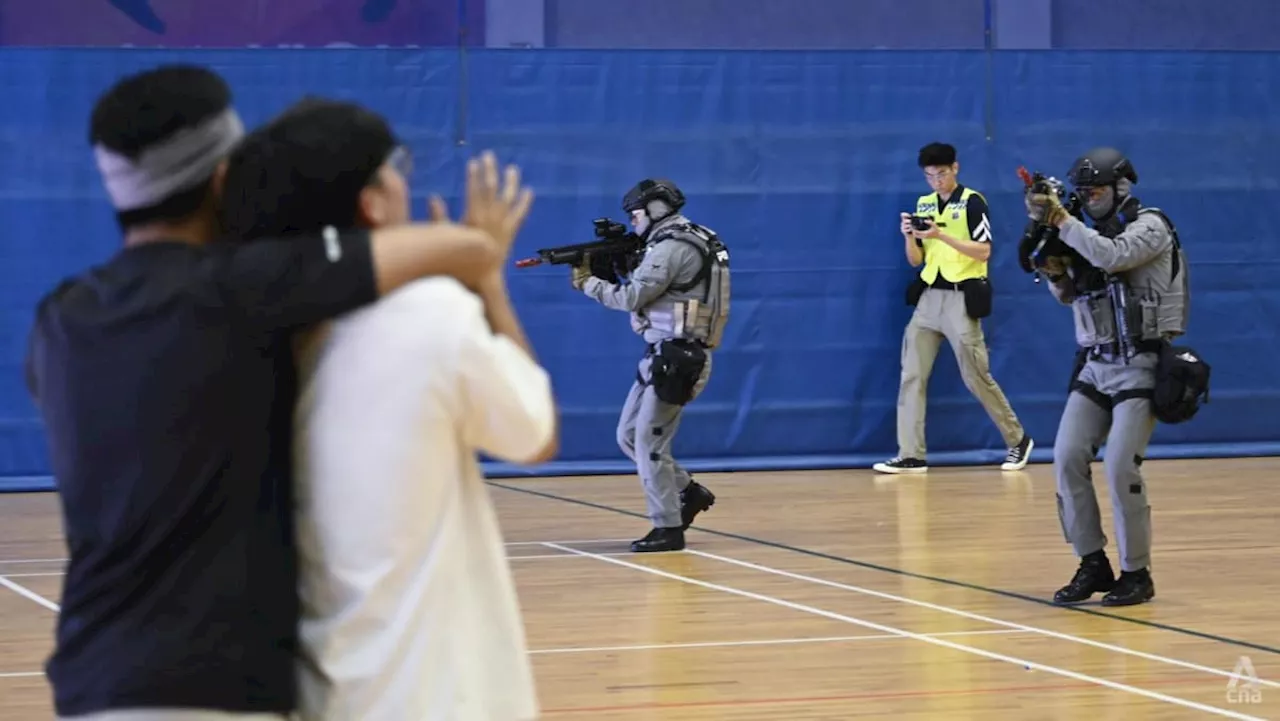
point(499, 211)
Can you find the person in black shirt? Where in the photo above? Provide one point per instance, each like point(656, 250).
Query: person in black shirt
point(165, 381)
point(950, 235)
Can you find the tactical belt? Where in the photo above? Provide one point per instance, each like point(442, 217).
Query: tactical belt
point(1107, 402)
point(1113, 349)
point(941, 283)
point(651, 348)
point(1103, 400)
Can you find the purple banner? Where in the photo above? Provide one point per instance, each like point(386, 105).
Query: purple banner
point(238, 23)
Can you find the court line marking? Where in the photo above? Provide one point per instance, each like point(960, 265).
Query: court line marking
point(554, 555)
point(589, 540)
point(28, 593)
point(582, 541)
point(810, 701)
point(760, 642)
point(509, 557)
point(903, 573)
point(975, 616)
point(908, 634)
point(708, 644)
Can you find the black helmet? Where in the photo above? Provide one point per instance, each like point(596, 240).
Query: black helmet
point(649, 190)
point(1101, 167)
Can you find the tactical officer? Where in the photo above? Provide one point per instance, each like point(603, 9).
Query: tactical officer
point(952, 239)
point(1126, 282)
point(678, 298)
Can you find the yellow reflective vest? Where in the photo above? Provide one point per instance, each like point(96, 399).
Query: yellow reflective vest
point(953, 219)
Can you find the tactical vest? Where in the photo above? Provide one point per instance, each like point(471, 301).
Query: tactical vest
point(952, 219)
point(702, 319)
point(1155, 299)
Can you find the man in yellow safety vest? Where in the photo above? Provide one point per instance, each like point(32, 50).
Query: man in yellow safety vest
point(950, 234)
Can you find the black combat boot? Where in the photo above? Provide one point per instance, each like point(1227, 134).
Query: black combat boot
point(1132, 588)
point(694, 499)
point(1093, 576)
point(660, 539)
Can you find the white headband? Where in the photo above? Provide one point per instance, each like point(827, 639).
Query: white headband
point(177, 163)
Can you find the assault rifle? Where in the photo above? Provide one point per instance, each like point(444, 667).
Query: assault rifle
point(614, 253)
point(1040, 241)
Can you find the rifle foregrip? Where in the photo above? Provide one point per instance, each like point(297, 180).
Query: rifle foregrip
point(557, 256)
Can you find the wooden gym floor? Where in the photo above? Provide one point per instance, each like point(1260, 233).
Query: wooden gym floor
point(838, 595)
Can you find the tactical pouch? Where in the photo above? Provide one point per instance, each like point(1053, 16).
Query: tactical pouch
point(977, 297)
point(915, 290)
point(675, 369)
point(1182, 377)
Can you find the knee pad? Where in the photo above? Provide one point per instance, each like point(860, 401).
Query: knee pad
point(1124, 475)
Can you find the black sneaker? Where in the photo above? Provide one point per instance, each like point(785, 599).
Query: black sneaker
point(1131, 589)
point(1018, 455)
point(694, 499)
point(902, 465)
point(1093, 576)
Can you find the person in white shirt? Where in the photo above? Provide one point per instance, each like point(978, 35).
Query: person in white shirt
point(409, 609)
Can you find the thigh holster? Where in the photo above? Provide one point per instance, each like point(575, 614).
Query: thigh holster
point(674, 369)
point(1182, 380)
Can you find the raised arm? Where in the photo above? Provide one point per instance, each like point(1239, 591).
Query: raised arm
point(289, 283)
point(1142, 241)
point(649, 281)
point(284, 284)
point(403, 254)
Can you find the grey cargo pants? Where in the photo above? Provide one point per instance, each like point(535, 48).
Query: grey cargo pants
point(646, 429)
point(1124, 428)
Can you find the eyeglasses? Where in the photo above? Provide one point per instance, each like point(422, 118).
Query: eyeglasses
point(401, 159)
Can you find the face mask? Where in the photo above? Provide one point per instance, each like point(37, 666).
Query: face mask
point(641, 222)
point(1100, 206)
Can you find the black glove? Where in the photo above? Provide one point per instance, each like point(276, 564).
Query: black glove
point(603, 268)
point(1056, 266)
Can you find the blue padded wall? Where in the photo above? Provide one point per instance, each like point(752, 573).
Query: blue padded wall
point(802, 161)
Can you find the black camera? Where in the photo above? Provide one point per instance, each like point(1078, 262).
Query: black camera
point(609, 229)
point(921, 222)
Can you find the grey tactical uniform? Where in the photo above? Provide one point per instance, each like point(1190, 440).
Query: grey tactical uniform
point(647, 425)
point(1110, 403)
